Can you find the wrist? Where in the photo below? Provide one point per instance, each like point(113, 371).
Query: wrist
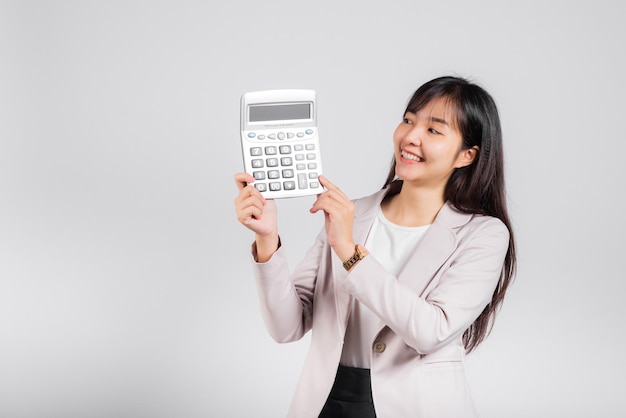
point(266, 246)
point(358, 254)
point(345, 250)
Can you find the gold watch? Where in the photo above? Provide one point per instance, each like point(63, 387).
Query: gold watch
point(356, 257)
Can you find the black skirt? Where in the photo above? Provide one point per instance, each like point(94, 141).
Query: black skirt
point(351, 395)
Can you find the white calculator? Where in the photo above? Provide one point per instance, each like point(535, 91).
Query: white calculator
point(279, 141)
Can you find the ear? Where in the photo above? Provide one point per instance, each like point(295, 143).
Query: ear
point(466, 157)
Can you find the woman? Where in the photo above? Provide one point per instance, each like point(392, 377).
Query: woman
point(399, 286)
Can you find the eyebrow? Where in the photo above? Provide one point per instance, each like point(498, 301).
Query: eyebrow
point(433, 118)
point(439, 120)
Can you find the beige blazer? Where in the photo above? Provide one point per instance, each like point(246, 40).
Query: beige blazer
point(417, 356)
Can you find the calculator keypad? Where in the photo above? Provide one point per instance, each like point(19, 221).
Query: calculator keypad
point(285, 167)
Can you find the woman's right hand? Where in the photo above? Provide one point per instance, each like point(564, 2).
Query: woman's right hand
point(257, 214)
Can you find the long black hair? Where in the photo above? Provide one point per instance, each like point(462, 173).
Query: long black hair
point(479, 187)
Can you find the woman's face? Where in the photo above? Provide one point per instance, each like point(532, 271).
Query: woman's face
point(428, 146)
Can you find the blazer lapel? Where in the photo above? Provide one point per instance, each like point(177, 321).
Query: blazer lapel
point(364, 213)
point(436, 246)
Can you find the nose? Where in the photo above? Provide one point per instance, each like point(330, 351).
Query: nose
point(414, 135)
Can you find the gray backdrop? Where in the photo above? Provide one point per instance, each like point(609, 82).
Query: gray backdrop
point(125, 283)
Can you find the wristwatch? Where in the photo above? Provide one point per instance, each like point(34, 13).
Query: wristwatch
point(356, 257)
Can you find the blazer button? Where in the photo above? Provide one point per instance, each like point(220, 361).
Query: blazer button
point(379, 346)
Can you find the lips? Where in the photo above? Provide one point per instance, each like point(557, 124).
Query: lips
point(412, 157)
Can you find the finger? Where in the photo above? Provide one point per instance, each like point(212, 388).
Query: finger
point(248, 209)
point(242, 180)
point(249, 191)
point(327, 183)
point(327, 203)
point(245, 200)
point(330, 186)
point(249, 215)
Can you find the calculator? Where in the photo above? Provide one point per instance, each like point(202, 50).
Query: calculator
point(280, 143)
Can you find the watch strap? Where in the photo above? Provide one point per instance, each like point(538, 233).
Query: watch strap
point(356, 257)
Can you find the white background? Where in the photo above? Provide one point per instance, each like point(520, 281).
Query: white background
point(125, 282)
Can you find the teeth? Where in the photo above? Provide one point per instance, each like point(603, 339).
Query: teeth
point(411, 156)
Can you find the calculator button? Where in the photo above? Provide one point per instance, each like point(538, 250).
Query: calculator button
point(300, 134)
point(285, 149)
point(288, 173)
point(260, 137)
point(312, 166)
point(300, 166)
point(251, 134)
point(275, 186)
point(310, 156)
point(270, 150)
point(299, 157)
point(259, 175)
point(273, 174)
point(289, 135)
point(309, 131)
point(302, 181)
point(257, 163)
point(310, 147)
point(313, 175)
point(298, 147)
point(272, 162)
point(272, 136)
point(281, 135)
point(286, 161)
point(262, 187)
point(314, 185)
point(289, 185)
point(256, 151)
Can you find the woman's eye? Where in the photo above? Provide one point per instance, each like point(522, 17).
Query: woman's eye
point(406, 120)
point(434, 131)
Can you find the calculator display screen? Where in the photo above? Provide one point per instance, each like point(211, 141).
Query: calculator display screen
point(291, 111)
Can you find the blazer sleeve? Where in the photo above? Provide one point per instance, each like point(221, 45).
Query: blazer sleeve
point(461, 290)
point(286, 299)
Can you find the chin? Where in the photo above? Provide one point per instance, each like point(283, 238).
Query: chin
point(406, 174)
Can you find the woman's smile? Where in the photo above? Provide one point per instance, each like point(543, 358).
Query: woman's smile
point(412, 157)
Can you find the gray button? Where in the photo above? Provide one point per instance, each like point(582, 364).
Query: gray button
point(302, 182)
point(274, 186)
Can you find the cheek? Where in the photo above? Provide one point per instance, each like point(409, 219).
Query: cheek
point(398, 134)
point(445, 152)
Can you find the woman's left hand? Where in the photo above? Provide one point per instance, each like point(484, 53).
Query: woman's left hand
point(338, 218)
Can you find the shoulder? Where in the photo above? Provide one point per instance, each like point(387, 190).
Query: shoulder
point(471, 225)
point(365, 204)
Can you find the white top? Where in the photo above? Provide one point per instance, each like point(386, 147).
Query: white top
point(391, 245)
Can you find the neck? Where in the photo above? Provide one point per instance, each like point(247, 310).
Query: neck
point(413, 206)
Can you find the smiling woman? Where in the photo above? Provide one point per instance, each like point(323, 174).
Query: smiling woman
point(426, 133)
point(401, 284)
